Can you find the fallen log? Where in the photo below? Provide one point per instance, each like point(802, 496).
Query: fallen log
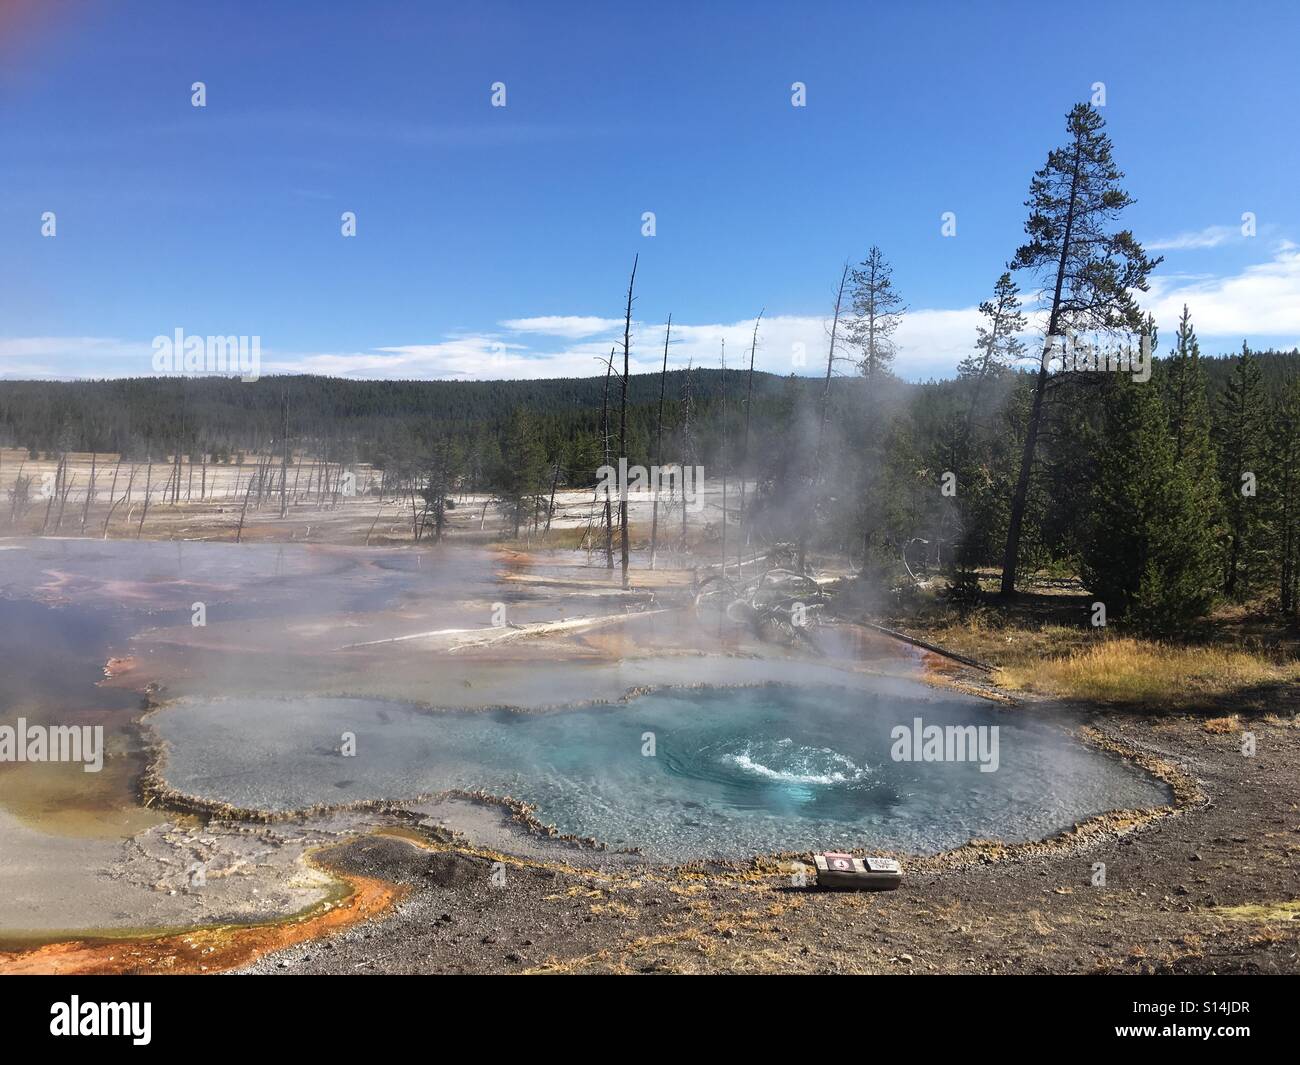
point(934, 648)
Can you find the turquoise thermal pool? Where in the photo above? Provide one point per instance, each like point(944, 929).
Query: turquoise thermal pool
point(680, 774)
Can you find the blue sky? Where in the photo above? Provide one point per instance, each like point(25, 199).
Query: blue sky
point(496, 242)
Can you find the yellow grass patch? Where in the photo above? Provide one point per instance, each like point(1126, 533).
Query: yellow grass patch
point(1261, 912)
point(1152, 674)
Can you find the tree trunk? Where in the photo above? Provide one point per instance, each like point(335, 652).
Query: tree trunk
point(749, 400)
point(604, 421)
point(58, 477)
point(63, 500)
point(819, 456)
point(723, 456)
point(659, 448)
point(85, 510)
point(376, 521)
point(1011, 557)
point(550, 506)
point(243, 511)
point(622, 423)
point(126, 495)
point(284, 455)
point(148, 479)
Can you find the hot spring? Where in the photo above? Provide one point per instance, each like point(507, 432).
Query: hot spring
point(680, 774)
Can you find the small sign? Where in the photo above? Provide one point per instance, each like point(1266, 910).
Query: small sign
point(836, 870)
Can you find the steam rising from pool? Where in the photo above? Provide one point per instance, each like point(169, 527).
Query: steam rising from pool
point(680, 774)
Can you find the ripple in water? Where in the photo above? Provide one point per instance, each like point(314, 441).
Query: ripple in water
point(735, 772)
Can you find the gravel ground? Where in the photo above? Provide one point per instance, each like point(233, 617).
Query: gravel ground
point(1211, 889)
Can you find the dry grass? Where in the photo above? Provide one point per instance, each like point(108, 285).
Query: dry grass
point(1286, 910)
point(1155, 675)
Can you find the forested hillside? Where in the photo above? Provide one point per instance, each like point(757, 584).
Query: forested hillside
point(887, 449)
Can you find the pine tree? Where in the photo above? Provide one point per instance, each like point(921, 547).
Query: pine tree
point(1092, 272)
point(1189, 408)
point(1190, 427)
point(1148, 554)
point(1281, 496)
point(877, 311)
point(523, 466)
point(1241, 452)
point(440, 480)
point(997, 342)
point(987, 488)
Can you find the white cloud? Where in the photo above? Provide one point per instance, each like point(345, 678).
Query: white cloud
point(24, 358)
point(1261, 303)
point(1209, 237)
point(931, 343)
point(1262, 300)
point(558, 325)
point(482, 357)
point(50, 347)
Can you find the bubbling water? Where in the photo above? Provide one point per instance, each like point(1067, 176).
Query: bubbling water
point(679, 774)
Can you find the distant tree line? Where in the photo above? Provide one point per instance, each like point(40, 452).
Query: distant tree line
point(1125, 464)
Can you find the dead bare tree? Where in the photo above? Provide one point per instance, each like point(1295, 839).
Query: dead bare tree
point(819, 457)
point(112, 488)
point(722, 458)
point(604, 422)
point(125, 495)
point(58, 480)
point(85, 509)
point(63, 500)
point(284, 452)
point(659, 447)
point(148, 479)
point(622, 420)
point(180, 447)
point(776, 601)
point(370, 532)
point(749, 400)
point(688, 439)
point(744, 451)
point(550, 507)
point(243, 511)
point(171, 473)
point(19, 494)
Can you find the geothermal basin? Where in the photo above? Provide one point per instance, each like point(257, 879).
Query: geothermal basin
point(648, 731)
point(676, 774)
